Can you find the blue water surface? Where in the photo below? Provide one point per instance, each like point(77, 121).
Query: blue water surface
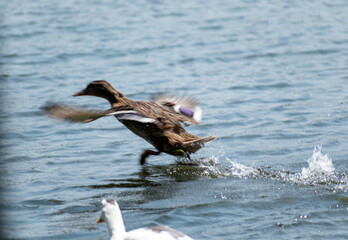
point(271, 77)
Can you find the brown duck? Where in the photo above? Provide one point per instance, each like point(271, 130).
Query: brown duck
point(159, 121)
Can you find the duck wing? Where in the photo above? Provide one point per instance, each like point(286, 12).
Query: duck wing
point(71, 114)
point(184, 106)
point(67, 113)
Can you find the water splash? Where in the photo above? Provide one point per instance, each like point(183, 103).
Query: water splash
point(213, 167)
point(320, 167)
point(320, 171)
point(242, 171)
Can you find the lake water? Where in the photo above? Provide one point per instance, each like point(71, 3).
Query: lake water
point(271, 77)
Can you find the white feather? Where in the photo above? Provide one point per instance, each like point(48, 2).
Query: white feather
point(123, 112)
point(111, 214)
point(131, 115)
point(149, 234)
point(197, 115)
point(177, 108)
point(135, 117)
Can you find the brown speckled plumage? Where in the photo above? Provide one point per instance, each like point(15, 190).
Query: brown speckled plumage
point(158, 122)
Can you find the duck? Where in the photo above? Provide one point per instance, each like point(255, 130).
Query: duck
point(111, 214)
point(160, 121)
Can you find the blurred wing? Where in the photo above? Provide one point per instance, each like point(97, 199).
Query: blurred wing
point(187, 107)
point(67, 113)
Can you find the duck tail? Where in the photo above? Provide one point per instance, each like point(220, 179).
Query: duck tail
point(209, 139)
point(194, 145)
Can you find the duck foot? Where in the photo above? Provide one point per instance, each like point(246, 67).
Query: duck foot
point(191, 163)
point(145, 154)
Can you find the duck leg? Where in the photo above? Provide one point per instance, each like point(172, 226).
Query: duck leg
point(188, 156)
point(191, 162)
point(146, 153)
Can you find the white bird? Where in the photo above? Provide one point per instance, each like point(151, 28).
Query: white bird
point(111, 214)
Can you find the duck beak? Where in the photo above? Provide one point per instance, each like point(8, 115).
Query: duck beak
point(100, 220)
point(81, 93)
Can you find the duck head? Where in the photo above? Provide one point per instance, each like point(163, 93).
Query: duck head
point(103, 89)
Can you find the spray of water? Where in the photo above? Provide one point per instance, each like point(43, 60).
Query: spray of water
point(320, 167)
point(320, 171)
